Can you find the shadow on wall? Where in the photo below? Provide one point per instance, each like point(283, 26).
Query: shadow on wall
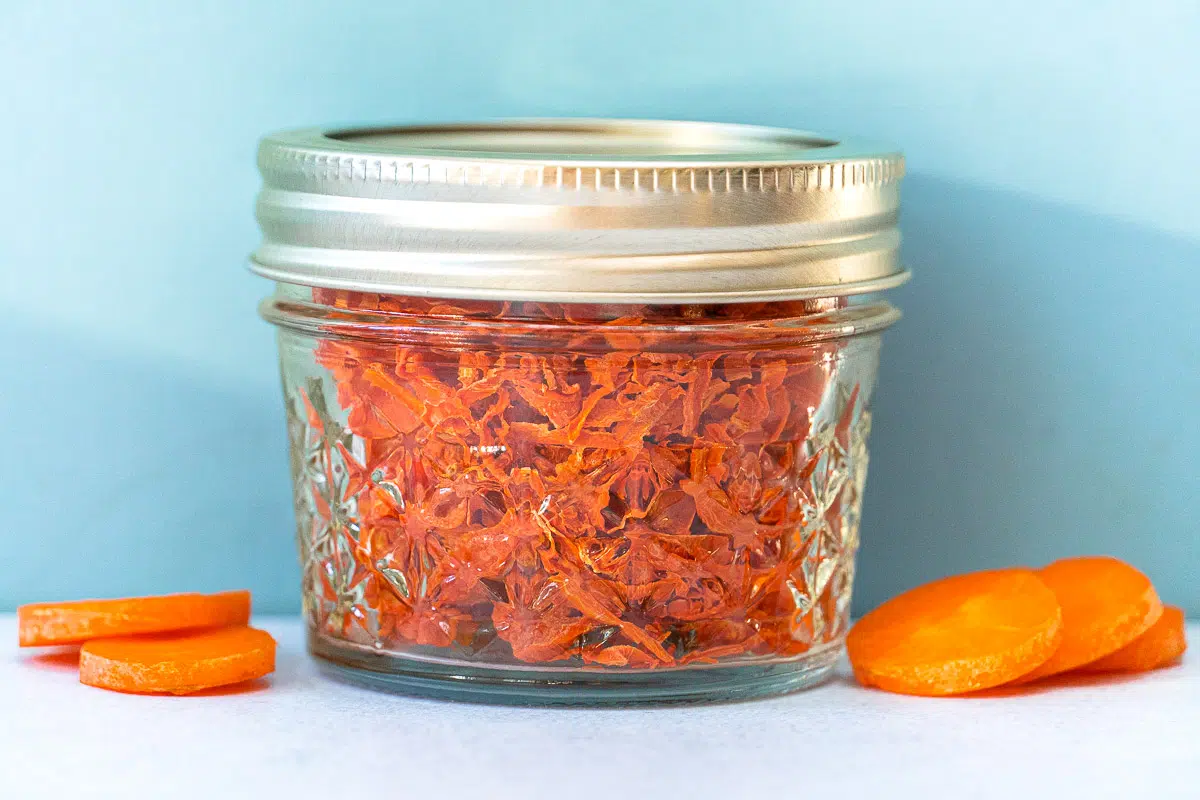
point(1038, 399)
point(127, 477)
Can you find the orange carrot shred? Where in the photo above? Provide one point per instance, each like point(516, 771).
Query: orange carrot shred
point(177, 663)
point(958, 634)
point(40, 624)
point(616, 486)
point(1106, 604)
point(1161, 645)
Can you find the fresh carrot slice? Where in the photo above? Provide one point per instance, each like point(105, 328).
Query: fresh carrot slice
point(177, 663)
point(64, 623)
point(1162, 644)
point(1106, 604)
point(958, 634)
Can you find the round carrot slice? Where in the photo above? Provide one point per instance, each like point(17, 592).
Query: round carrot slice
point(1106, 604)
point(177, 663)
point(64, 623)
point(1162, 644)
point(958, 634)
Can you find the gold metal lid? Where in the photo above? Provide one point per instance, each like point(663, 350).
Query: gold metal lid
point(577, 210)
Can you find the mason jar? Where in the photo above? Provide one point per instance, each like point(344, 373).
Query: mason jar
point(578, 410)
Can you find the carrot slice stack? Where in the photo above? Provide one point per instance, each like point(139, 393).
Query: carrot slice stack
point(177, 663)
point(41, 624)
point(1162, 644)
point(958, 634)
point(1106, 604)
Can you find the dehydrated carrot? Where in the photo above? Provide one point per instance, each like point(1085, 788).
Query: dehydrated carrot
point(958, 634)
point(1106, 604)
point(41, 624)
point(1162, 644)
point(177, 663)
point(622, 486)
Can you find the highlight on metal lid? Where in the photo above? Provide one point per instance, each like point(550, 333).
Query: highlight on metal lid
point(577, 210)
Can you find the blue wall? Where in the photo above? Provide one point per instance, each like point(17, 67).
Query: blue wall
point(1038, 400)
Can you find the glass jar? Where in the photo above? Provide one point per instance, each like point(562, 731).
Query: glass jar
point(578, 410)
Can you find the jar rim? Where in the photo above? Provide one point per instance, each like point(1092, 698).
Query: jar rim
point(289, 309)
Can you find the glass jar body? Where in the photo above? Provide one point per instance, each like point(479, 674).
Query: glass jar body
point(544, 503)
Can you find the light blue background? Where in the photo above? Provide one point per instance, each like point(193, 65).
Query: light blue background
point(1040, 398)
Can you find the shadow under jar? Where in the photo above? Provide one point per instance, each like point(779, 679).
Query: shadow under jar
point(578, 410)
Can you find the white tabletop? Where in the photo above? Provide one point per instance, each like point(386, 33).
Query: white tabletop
point(307, 736)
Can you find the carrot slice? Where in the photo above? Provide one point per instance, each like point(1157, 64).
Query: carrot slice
point(958, 634)
point(177, 663)
point(1106, 604)
point(1162, 644)
point(64, 623)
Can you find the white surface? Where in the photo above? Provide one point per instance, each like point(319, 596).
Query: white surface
point(307, 736)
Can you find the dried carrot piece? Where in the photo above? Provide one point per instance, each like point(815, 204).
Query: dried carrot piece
point(41, 624)
point(177, 663)
point(549, 483)
point(1106, 604)
point(958, 634)
point(1162, 644)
